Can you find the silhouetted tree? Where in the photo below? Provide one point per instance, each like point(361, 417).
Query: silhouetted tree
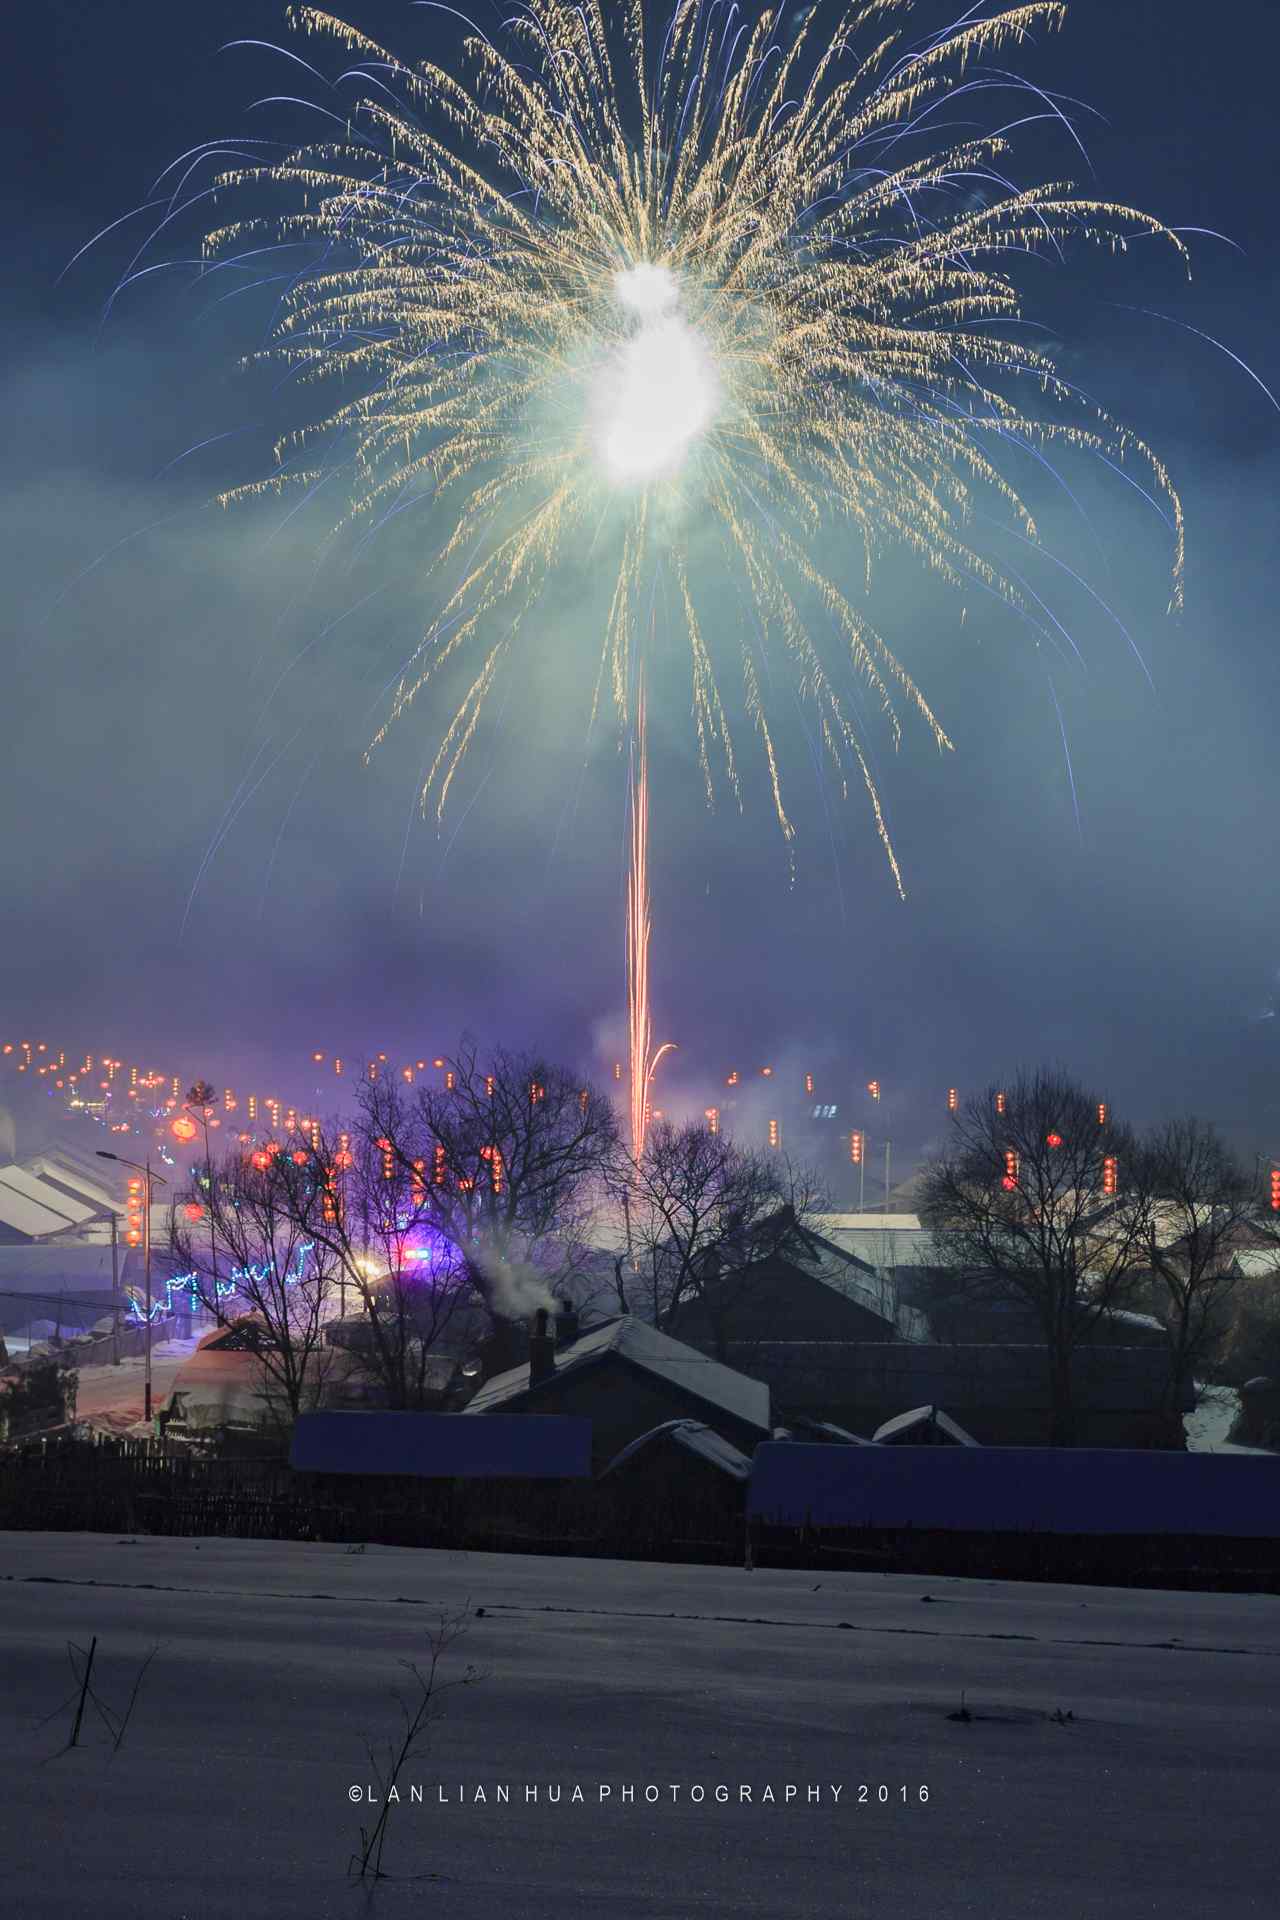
point(1196, 1200)
point(512, 1151)
point(1017, 1206)
point(250, 1251)
point(701, 1214)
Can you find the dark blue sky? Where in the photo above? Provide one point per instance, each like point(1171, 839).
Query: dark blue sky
point(1138, 950)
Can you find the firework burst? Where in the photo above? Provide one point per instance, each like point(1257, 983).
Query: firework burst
point(675, 297)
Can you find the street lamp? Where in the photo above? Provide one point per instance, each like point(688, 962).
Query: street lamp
point(148, 1178)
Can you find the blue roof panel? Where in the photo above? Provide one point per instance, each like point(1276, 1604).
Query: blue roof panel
point(444, 1446)
point(1068, 1490)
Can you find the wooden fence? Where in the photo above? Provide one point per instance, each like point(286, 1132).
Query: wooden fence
point(146, 1486)
point(67, 1483)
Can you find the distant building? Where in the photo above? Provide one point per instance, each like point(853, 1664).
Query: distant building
point(807, 1289)
point(998, 1392)
point(53, 1288)
point(627, 1378)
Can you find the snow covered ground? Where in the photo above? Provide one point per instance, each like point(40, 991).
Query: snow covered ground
point(231, 1795)
point(1208, 1427)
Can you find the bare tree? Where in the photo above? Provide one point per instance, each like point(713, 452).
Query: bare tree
point(1020, 1207)
point(244, 1239)
point(702, 1213)
point(368, 1206)
point(1196, 1201)
point(513, 1151)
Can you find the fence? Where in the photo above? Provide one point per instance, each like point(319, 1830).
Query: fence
point(59, 1483)
point(142, 1486)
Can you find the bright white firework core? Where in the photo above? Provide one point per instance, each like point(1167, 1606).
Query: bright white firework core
point(646, 289)
point(654, 396)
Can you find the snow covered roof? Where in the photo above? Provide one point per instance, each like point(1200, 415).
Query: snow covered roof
point(1257, 1262)
point(65, 1171)
point(692, 1436)
point(833, 1223)
point(642, 1346)
point(1140, 1322)
point(840, 1269)
point(896, 1430)
point(28, 1214)
point(58, 1201)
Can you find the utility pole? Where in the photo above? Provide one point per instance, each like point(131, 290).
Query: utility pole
point(115, 1294)
point(888, 1148)
point(198, 1102)
point(147, 1178)
point(146, 1271)
point(862, 1180)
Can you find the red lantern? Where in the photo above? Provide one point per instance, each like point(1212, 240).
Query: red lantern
point(183, 1128)
point(1053, 1139)
point(261, 1159)
point(298, 1157)
point(193, 1210)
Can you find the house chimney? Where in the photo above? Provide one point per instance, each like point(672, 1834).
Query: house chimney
point(542, 1349)
point(566, 1323)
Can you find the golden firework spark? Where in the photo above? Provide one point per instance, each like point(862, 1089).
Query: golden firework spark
point(644, 1061)
point(681, 299)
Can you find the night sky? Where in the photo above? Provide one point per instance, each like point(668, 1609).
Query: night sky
point(155, 645)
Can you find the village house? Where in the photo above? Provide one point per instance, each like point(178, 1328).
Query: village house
point(627, 1378)
point(998, 1392)
point(807, 1288)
